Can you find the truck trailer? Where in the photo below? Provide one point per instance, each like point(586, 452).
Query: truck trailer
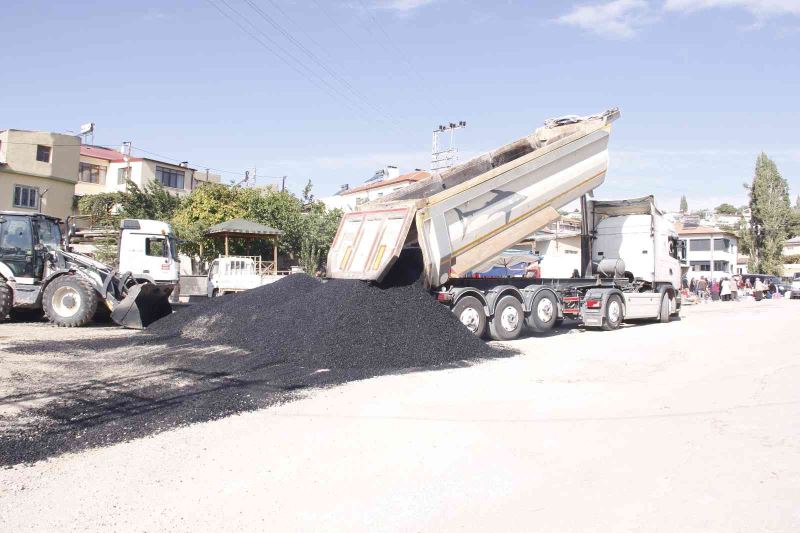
point(462, 217)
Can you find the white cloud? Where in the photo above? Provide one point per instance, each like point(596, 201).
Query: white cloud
point(621, 19)
point(402, 6)
point(760, 9)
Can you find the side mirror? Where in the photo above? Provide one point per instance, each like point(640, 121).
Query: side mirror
point(38, 247)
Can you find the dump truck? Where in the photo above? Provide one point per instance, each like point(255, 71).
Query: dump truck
point(38, 273)
point(460, 218)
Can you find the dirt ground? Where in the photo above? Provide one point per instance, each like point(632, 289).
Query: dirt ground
point(687, 426)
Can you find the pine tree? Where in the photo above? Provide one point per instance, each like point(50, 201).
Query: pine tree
point(771, 213)
point(684, 204)
point(797, 203)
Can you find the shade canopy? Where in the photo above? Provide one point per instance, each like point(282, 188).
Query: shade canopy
point(239, 227)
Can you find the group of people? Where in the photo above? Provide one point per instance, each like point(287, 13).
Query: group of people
point(730, 289)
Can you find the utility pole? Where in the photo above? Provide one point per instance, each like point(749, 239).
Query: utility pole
point(128, 145)
point(283, 183)
point(442, 159)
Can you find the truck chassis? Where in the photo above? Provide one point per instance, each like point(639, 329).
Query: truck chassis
point(501, 307)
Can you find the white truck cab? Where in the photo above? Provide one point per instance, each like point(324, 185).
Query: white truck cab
point(148, 250)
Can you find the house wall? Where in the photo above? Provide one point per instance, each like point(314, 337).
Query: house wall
point(710, 256)
point(55, 180)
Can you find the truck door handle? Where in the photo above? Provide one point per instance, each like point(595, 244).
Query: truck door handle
point(146, 271)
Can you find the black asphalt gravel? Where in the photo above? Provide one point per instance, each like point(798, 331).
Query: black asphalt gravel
point(233, 354)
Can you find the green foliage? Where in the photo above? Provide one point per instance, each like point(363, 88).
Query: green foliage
point(725, 209)
point(102, 209)
point(309, 257)
point(684, 204)
point(152, 201)
point(309, 228)
point(791, 259)
point(771, 217)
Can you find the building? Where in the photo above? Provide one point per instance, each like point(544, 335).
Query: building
point(710, 252)
point(106, 170)
point(384, 182)
point(38, 171)
point(791, 248)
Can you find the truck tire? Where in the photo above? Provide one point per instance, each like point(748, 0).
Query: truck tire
point(663, 314)
point(5, 299)
point(69, 301)
point(613, 313)
point(544, 312)
point(469, 311)
point(508, 318)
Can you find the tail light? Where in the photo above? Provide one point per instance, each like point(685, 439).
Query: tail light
point(593, 304)
point(443, 297)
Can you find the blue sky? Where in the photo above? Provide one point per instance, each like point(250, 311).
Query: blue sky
point(332, 90)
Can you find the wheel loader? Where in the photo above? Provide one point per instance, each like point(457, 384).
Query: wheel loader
point(37, 273)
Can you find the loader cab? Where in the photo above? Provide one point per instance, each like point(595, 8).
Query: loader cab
point(24, 242)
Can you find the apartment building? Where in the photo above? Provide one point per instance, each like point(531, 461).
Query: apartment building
point(710, 252)
point(106, 170)
point(38, 171)
point(384, 182)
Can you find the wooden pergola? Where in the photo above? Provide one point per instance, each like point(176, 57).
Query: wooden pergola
point(240, 228)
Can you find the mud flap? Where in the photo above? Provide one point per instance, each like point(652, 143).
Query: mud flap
point(144, 304)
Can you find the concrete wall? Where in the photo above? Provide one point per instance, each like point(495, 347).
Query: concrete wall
point(55, 180)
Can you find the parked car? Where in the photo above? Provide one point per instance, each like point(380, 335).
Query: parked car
point(795, 286)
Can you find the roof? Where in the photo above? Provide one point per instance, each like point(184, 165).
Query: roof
point(242, 228)
point(113, 156)
point(793, 240)
point(700, 230)
point(415, 176)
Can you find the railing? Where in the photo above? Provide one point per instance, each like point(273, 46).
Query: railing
point(263, 268)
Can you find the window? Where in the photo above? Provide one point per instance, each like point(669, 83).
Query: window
point(91, 173)
point(169, 177)
point(721, 266)
point(43, 153)
point(700, 245)
point(722, 245)
point(48, 232)
point(25, 196)
point(702, 266)
point(123, 174)
point(156, 247)
point(569, 252)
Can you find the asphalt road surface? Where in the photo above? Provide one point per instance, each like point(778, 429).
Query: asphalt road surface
point(687, 426)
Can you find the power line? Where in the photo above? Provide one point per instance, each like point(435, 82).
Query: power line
point(313, 56)
point(292, 61)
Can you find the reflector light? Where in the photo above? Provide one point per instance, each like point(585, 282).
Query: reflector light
point(593, 304)
point(442, 296)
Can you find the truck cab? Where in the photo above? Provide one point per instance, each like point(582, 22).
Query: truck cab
point(227, 275)
point(148, 250)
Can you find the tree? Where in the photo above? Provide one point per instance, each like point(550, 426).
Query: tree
point(725, 209)
point(684, 204)
point(307, 196)
point(769, 203)
point(152, 201)
point(797, 203)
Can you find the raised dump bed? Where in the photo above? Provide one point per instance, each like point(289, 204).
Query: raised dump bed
point(468, 214)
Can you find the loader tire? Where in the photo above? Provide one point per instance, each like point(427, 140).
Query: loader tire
point(5, 299)
point(69, 301)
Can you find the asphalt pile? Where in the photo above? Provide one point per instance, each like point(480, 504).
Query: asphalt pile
point(233, 354)
point(335, 324)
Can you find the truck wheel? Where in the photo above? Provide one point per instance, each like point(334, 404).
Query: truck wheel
point(5, 299)
point(506, 323)
point(613, 313)
point(663, 315)
point(69, 301)
point(544, 312)
point(469, 311)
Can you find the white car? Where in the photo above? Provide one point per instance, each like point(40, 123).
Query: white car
point(796, 286)
point(232, 274)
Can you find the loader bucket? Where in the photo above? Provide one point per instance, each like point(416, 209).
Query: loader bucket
point(144, 304)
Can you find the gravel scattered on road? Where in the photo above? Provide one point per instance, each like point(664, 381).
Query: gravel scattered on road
point(228, 355)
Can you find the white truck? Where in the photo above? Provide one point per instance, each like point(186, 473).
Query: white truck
point(148, 249)
point(460, 218)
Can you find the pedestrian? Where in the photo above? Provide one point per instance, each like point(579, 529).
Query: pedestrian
point(758, 289)
point(693, 286)
point(702, 288)
point(714, 290)
point(735, 289)
point(725, 290)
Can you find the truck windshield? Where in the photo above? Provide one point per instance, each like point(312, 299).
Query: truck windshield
point(15, 235)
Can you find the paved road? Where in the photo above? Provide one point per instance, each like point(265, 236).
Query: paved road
point(688, 426)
